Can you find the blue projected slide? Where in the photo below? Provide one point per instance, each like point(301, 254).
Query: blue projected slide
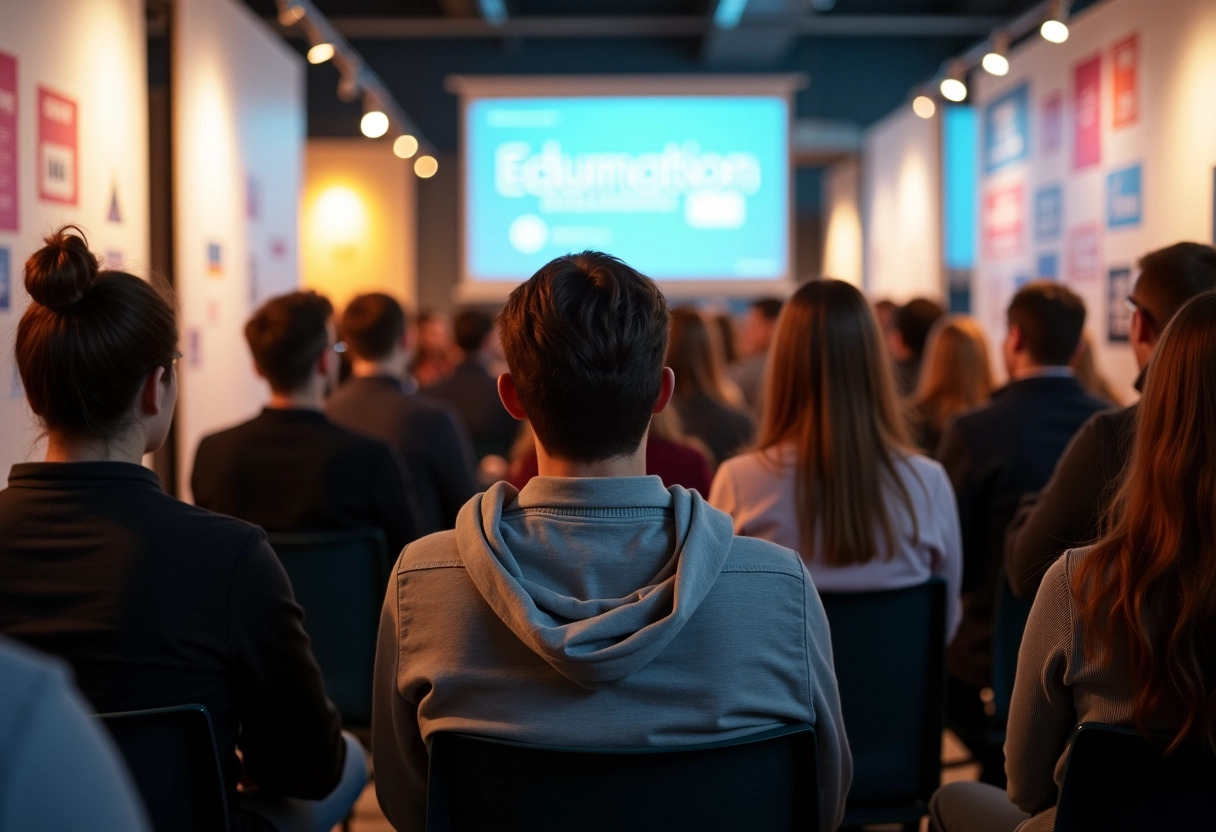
point(687, 188)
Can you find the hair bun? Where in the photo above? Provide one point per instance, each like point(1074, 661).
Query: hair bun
point(60, 273)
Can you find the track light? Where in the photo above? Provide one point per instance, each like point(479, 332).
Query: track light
point(374, 123)
point(426, 167)
point(996, 61)
point(290, 15)
point(320, 53)
point(923, 106)
point(405, 146)
point(953, 88)
point(1055, 27)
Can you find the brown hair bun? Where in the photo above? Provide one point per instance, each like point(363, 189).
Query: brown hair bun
point(60, 273)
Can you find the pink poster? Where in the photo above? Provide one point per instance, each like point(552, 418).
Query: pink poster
point(8, 142)
point(1004, 221)
point(1087, 98)
point(58, 162)
point(1084, 254)
point(1125, 55)
point(1052, 123)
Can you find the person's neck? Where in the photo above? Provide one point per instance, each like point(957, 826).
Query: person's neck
point(361, 368)
point(629, 465)
point(1029, 369)
point(298, 400)
point(126, 448)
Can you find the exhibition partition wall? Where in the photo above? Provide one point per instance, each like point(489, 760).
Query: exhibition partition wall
point(841, 213)
point(73, 149)
point(238, 144)
point(1093, 152)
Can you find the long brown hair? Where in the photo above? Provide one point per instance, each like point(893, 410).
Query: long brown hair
point(694, 354)
point(957, 372)
point(829, 392)
point(1146, 592)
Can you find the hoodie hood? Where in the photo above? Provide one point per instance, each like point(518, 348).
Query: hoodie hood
point(596, 576)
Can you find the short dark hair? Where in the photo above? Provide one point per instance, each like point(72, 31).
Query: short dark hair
point(913, 321)
point(90, 338)
point(471, 328)
point(1050, 317)
point(770, 308)
point(372, 325)
point(287, 336)
point(1171, 276)
point(585, 339)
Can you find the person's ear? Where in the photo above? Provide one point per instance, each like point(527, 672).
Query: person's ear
point(1017, 339)
point(510, 397)
point(153, 392)
point(323, 362)
point(667, 386)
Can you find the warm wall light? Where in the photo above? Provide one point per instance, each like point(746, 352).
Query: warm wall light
point(923, 106)
point(374, 124)
point(426, 167)
point(320, 53)
point(1055, 27)
point(996, 61)
point(405, 146)
point(954, 90)
point(340, 216)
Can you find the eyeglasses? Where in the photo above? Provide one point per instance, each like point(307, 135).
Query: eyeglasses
point(1135, 306)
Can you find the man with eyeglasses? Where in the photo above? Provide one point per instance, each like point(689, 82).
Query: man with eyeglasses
point(1068, 512)
point(290, 469)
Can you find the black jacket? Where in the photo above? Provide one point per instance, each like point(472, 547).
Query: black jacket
point(474, 393)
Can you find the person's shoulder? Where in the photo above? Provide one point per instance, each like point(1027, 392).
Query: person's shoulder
point(921, 467)
point(229, 436)
point(750, 554)
point(198, 529)
point(438, 550)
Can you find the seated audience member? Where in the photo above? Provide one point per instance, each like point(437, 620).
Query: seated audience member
point(290, 469)
point(152, 601)
point(58, 768)
point(727, 337)
point(670, 455)
point(995, 455)
point(1121, 632)
point(472, 388)
point(956, 376)
point(748, 371)
point(1067, 512)
point(433, 355)
point(912, 323)
point(595, 607)
point(708, 404)
point(1090, 377)
point(427, 434)
point(831, 407)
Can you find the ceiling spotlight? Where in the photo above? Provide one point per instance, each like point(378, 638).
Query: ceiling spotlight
point(374, 124)
point(1055, 27)
point(320, 53)
point(290, 15)
point(996, 61)
point(405, 146)
point(953, 89)
point(426, 167)
point(923, 106)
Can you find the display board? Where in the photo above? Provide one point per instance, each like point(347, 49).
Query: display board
point(688, 181)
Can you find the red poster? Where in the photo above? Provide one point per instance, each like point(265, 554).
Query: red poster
point(1084, 253)
point(1087, 98)
point(1125, 55)
point(58, 161)
point(1052, 135)
point(1004, 221)
point(8, 142)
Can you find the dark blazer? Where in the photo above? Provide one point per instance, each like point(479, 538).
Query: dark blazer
point(994, 455)
point(474, 393)
point(1068, 512)
point(155, 602)
point(426, 433)
point(296, 471)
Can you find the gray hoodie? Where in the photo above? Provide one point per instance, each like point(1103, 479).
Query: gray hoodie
point(598, 612)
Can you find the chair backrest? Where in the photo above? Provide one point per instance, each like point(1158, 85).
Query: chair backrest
point(1009, 617)
point(339, 578)
point(173, 760)
point(1117, 781)
point(765, 781)
point(889, 649)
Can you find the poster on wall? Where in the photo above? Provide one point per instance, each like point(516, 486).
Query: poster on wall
point(1125, 56)
point(1048, 214)
point(1087, 119)
point(1007, 129)
point(1124, 198)
point(1052, 124)
point(1004, 220)
point(1084, 253)
point(8, 142)
point(1119, 316)
point(6, 280)
point(58, 162)
point(1049, 266)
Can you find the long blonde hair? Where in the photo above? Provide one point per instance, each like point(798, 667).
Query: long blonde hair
point(694, 353)
point(957, 372)
point(829, 392)
point(1147, 589)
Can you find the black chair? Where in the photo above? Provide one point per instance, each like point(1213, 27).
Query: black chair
point(1117, 781)
point(339, 578)
point(1009, 616)
point(765, 781)
point(889, 650)
point(172, 758)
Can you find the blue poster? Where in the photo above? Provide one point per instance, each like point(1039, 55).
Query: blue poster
point(1049, 266)
point(1048, 214)
point(6, 280)
point(1007, 129)
point(1124, 198)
